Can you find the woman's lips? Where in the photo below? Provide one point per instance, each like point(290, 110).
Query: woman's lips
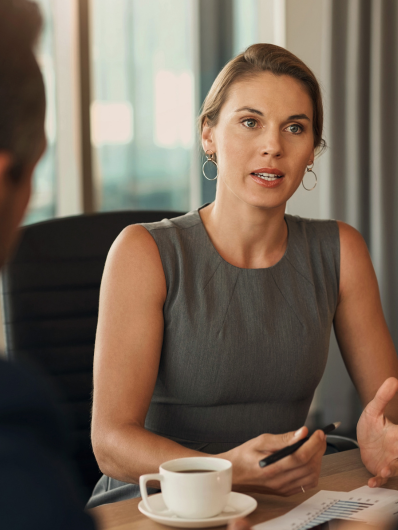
point(268, 182)
point(269, 170)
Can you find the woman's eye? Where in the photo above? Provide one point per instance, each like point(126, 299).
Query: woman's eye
point(250, 123)
point(295, 129)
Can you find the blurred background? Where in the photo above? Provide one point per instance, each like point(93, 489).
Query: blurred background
point(125, 80)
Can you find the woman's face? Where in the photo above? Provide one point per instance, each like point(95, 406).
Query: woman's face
point(263, 139)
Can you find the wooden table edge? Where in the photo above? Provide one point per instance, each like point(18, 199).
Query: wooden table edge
point(340, 472)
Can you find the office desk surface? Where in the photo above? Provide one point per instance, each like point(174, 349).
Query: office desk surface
point(340, 472)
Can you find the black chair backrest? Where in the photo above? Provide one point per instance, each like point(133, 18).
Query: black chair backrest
point(50, 294)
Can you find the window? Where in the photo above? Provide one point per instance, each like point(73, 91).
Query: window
point(143, 110)
point(42, 205)
point(245, 24)
point(152, 63)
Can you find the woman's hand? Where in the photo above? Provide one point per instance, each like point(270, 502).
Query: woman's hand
point(285, 477)
point(378, 436)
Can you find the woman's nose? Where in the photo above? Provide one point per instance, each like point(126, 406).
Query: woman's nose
point(271, 143)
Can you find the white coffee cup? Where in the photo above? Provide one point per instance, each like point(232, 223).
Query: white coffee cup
point(193, 495)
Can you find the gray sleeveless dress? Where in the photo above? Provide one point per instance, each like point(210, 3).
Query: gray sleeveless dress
point(243, 349)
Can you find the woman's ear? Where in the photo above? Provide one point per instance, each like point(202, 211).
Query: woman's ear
point(207, 138)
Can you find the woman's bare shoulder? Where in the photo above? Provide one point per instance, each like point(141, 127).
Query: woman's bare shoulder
point(356, 269)
point(135, 239)
point(135, 255)
point(351, 241)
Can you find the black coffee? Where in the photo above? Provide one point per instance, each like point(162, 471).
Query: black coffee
point(196, 471)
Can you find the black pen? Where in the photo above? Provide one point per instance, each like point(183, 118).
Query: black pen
point(286, 451)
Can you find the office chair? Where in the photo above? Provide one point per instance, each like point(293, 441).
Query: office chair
point(338, 444)
point(50, 295)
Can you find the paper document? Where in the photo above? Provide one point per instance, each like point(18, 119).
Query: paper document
point(385, 506)
point(327, 505)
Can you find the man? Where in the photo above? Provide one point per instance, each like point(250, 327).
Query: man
point(37, 487)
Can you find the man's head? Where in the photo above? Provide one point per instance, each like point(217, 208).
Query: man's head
point(22, 113)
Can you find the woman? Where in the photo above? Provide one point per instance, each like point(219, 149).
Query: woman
point(214, 327)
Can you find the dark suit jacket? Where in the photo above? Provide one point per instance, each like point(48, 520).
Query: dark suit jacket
point(38, 486)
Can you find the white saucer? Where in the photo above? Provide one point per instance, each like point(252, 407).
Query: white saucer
point(238, 505)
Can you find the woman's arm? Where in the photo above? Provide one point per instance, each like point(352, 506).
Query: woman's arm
point(370, 357)
point(361, 330)
point(126, 360)
point(127, 353)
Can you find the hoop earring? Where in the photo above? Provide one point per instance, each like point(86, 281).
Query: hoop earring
point(309, 170)
point(209, 158)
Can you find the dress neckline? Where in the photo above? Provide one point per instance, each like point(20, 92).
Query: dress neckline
point(215, 251)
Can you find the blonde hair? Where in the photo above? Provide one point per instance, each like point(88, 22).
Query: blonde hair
point(263, 58)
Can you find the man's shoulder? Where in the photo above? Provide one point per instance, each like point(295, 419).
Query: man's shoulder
point(28, 403)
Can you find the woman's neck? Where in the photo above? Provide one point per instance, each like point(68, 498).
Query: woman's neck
point(246, 236)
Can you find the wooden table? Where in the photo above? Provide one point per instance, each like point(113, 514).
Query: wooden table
point(340, 472)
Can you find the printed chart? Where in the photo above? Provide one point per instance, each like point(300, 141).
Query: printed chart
point(364, 504)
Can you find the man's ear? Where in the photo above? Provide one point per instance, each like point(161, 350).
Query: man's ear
point(5, 166)
point(5, 161)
